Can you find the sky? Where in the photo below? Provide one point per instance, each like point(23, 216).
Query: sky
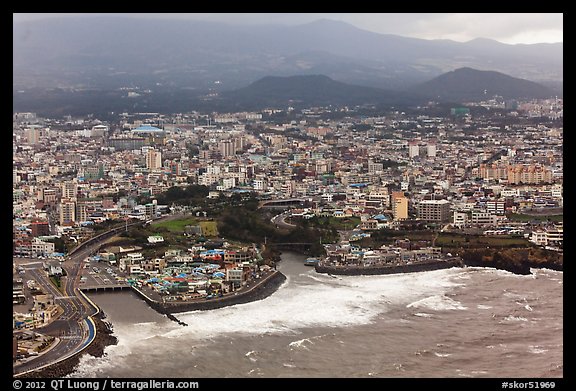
point(511, 28)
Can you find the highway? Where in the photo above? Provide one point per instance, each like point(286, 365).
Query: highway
point(71, 327)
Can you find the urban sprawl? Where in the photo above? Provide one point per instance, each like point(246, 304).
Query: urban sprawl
point(489, 168)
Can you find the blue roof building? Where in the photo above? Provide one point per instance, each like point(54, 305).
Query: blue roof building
point(147, 129)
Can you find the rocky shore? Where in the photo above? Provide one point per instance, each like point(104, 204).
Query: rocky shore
point(515, 260)
point(104, 337)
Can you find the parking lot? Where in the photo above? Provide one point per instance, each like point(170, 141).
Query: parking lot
point(100, 274)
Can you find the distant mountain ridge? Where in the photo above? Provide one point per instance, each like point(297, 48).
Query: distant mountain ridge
point(299, 91)
point(467, 84)
point(150, 53)
point(306, 90)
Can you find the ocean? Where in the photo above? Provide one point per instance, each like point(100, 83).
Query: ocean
point(452, 323)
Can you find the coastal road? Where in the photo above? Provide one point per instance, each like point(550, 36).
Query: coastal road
point(71, 328)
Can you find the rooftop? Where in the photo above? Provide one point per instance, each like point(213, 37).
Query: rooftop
point(147, 129)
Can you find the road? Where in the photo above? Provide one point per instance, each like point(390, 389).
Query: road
point(280, 220)
point(71, 327)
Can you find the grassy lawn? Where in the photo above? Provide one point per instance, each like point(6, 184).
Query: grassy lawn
point(388, 237)
point(175, 225)
point(343, 223)
point(524, 217)
point(452, 240)
point(209, 228)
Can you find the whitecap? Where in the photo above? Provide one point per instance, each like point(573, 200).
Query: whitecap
point(301, 343)
point(438, 303)
point(355, 300)
point(312, 277)
point(511, 318)
point(536, 350)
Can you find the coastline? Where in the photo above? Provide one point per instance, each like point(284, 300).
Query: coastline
point(264, 288)
point(104, 332)
point(103, 337)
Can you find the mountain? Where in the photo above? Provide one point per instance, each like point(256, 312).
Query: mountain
point(312, 90)
point(113, 52)
point(467, 84)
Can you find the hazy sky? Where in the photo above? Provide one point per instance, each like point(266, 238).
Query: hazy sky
point(503, 27)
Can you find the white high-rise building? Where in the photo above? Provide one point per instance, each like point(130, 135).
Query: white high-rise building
point(431, 149)
point(69, 190)
point(33, 134)
point(67, 212)
point(153, 159)
point(413, 149)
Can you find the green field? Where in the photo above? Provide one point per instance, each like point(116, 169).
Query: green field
point(456, 240)
point(175, 225)
point(209, 228)
point(343, 223)
point(525, 217)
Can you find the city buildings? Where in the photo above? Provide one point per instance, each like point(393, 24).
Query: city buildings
point(70, 174)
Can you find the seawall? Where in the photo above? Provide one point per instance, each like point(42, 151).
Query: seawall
point(258, 292)
point(389, 269)
point(67, 366)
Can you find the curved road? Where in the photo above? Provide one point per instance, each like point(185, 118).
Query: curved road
point(280, 220)
point(71, 327)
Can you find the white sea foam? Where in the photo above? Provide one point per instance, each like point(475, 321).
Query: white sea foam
point(545, 271)
point(301, 343)
point(251, 355)
point(442, 354)
point(129, 337)
point(536, 349)
point(325, 301)
point(353, 300)
point(500, 272)
point(438, 303)
point(511, 318)
point(313, 277)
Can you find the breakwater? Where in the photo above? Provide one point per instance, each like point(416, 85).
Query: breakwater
point(353, 270)
point(259, 291)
